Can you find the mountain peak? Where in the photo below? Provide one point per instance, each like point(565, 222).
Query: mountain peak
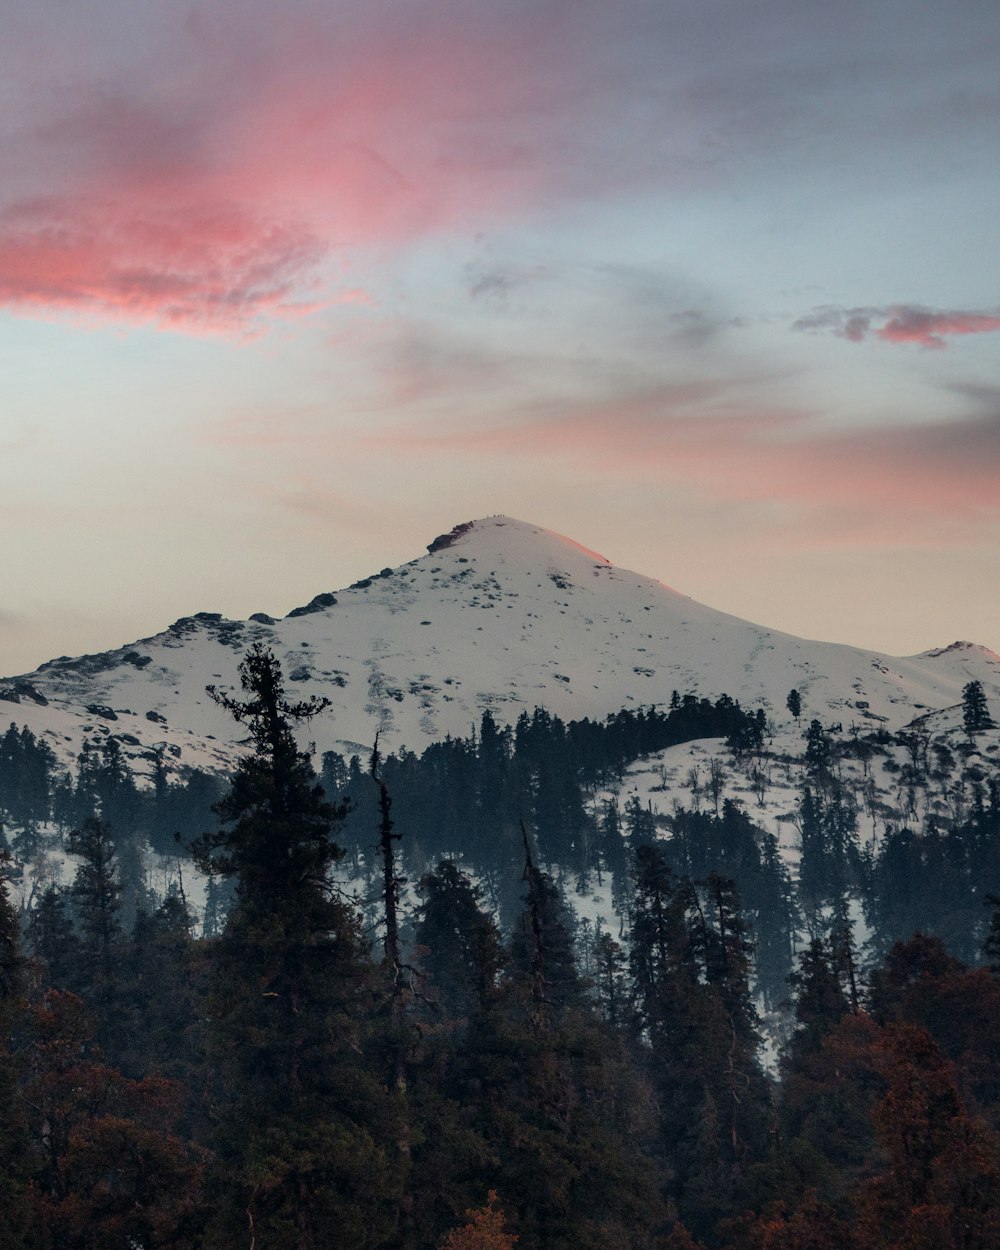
point(971, 650)
point(500, 614)
point(519, 538)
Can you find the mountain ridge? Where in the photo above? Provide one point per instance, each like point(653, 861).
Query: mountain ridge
point(499, 614)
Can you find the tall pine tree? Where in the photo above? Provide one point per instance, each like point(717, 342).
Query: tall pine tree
point(299, 1166)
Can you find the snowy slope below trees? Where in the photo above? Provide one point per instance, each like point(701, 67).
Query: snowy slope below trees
point(924, 777)
point(500, 614)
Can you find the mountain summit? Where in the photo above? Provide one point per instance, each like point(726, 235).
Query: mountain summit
point(500, 614)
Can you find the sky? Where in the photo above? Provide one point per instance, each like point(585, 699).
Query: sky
point(712, 288)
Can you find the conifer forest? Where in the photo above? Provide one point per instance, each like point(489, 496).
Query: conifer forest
point(366, 1013)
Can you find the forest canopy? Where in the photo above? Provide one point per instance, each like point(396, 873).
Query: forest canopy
point(755, 1054)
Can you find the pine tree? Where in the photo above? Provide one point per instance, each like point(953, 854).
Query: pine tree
point(460, 943)
point(496, 798)
point(542, 955)
point(300, 1110)
point(397, 1038)
point(729, 961)
point(97, 894)
point(821, 1000)
point(775, 917)
point(158, 1025)
point(53, 942)
point(15, 1151)
point(690, 957)
point(640, 821)
point(26, 769)
point(610, 986)
point(975, 710)
point(817, 748)
point(535, 1090)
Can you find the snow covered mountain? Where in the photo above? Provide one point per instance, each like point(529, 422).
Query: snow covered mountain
point(499, 614)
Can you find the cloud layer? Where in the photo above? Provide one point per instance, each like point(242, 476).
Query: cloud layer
point(198, 166)
point(906, 483)
point(212, 198)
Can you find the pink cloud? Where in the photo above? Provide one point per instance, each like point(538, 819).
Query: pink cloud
point(921, 325)
point(216, 198)
point(900, 323)
point(209, 266)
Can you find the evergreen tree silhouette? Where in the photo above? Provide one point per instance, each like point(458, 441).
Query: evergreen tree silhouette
point(302, 1115)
